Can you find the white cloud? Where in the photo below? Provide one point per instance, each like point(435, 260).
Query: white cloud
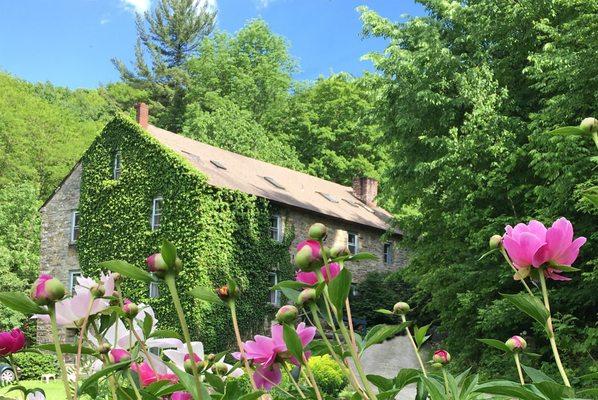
point(139, 6)
point(263, 3)
point(104, 21)
point(211, 5)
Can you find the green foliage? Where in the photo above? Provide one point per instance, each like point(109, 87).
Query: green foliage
point(328, 375)
point(466, 107)
point(218, 233)
point(33, 365)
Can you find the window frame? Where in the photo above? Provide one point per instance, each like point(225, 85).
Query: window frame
point(355, 244)
point(154, 215)
point(73, 274)
point(388, 253)
point(117, 165)
point(75, 227)
point(276, 293)
point(153, 286)
point(279, 228)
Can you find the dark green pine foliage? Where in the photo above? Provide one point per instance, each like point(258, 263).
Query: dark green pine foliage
point(219, 233)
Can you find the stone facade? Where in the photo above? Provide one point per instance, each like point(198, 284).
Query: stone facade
point(58, 252)
point(369, 240)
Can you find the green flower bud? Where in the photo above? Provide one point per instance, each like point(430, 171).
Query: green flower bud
point(220, 369)
point(516, 343)
point(287, 314)
point(589, 125)
point(495, 241)
point(318, 231)
point(98, 291)
point(307, 296)
point(104, 348)
point(55, 289)
point(401, 308)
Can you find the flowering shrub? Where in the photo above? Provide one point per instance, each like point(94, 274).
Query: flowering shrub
point(138, 361)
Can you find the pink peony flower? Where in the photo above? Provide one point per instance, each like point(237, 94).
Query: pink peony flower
point(516, 343)
point(11, 342)
point(35, 395)
point(147, 375)
point(118, 355)
point(534, 245)
point(181, 396)
point(311, 278)
point(266, 377)
point(441, 356)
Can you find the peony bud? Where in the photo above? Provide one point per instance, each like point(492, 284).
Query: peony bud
point(117, 277)
point(46, 290)
point(516, 343)
point(226, 294)
point(589, 125)
point(188, 363)
point(287, 314)
point(157, 265)
point(220, 368)
point(340, 246)
point(441, 357)
point(98, 290)
point(103, 348)
point(401, 308)
point(309, 256)
point(317, 231)
point(211, 357)
point(495, 241)
point(118, 355)
point(307, 296)
point(130, 309)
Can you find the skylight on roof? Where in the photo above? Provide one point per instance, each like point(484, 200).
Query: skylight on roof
point(351, 203)
point(329, 197)
point(273, 182)
point(218, 164)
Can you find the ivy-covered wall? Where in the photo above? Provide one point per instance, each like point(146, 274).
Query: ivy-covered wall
point(219, 233)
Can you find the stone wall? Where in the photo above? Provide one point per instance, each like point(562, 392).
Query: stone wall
point(58, 254)
point(370, 239)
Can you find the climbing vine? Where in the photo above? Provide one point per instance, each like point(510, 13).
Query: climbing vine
point(220, 232)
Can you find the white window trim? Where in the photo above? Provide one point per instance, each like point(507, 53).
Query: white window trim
point(73, 274)
point(356, 241)
point(74, 215)
point(155, 287)
point(277, 293)
point(117, 165)
point(153, 217)
point(388, 256)
point(279, 228)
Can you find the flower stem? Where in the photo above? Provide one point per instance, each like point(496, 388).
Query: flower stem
point(286, 368)
point(518, 365)
point(233, 313)
point(14, 368)
point(170, 282)
point(132, 382)
point(59, 356)
point(551, 338)
point(415, 349)
point(80, 345)
point(522, 280)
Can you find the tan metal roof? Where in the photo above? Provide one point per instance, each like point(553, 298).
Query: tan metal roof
point(282, 185)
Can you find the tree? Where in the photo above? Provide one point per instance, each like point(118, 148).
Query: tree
point(169, 35)
point(469, 92)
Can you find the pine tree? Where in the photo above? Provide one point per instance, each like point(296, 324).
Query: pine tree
point(169, 35)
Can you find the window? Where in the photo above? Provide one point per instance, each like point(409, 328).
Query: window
point(218, 164)
point(74, 226)
point(154, 291)
point(387, 253)
point(156, 212)
point(276, 228)
point(275, 295)
point(73, 275)
point(329, 197)
point(354, 292)
point(117, 166)
point(353, 242)
point(273, 182)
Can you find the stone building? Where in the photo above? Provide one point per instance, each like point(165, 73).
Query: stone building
point(298, 199)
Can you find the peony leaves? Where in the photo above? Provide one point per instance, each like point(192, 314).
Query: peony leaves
point(19, 302)
point(291, 339)
point(205, 294)
point(128, 270)
point(338, 289)
point(530, 305)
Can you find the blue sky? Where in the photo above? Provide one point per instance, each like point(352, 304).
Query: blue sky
point(70, 42)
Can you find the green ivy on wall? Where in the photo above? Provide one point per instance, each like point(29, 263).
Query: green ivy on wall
point(219, 233)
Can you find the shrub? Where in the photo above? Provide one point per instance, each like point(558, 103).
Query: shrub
point(34, 365)
point(328, 375)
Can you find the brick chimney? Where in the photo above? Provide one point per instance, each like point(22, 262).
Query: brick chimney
point(366, 190)
point(142, 114)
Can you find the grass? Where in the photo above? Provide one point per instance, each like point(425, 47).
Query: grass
point(54, 390)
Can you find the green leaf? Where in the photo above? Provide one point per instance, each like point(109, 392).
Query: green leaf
point(385, 312)
point(67, 348)
point(296, 285)
point(419, 335)
point(291, 339)
point(105, 371)
point(164, 333)
point(205, 294)
point(339, 288)
point(147, 325)
point(232, 285)
point(536, 375)
point(508, 388)
point(567, 131)
point(188, 382)
point(21, 303)
point(362, 257)
point(252, 396)
point(566, 268)
point(168, 252)
point(531, 306)
point(380, 333)
point(497, 344)
point(214, 381)
point(422, 392)
point(128, 270)
point(405, 377)
point(382, 383)
point(552, 390)
point(487, 254)
point(291, 294)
